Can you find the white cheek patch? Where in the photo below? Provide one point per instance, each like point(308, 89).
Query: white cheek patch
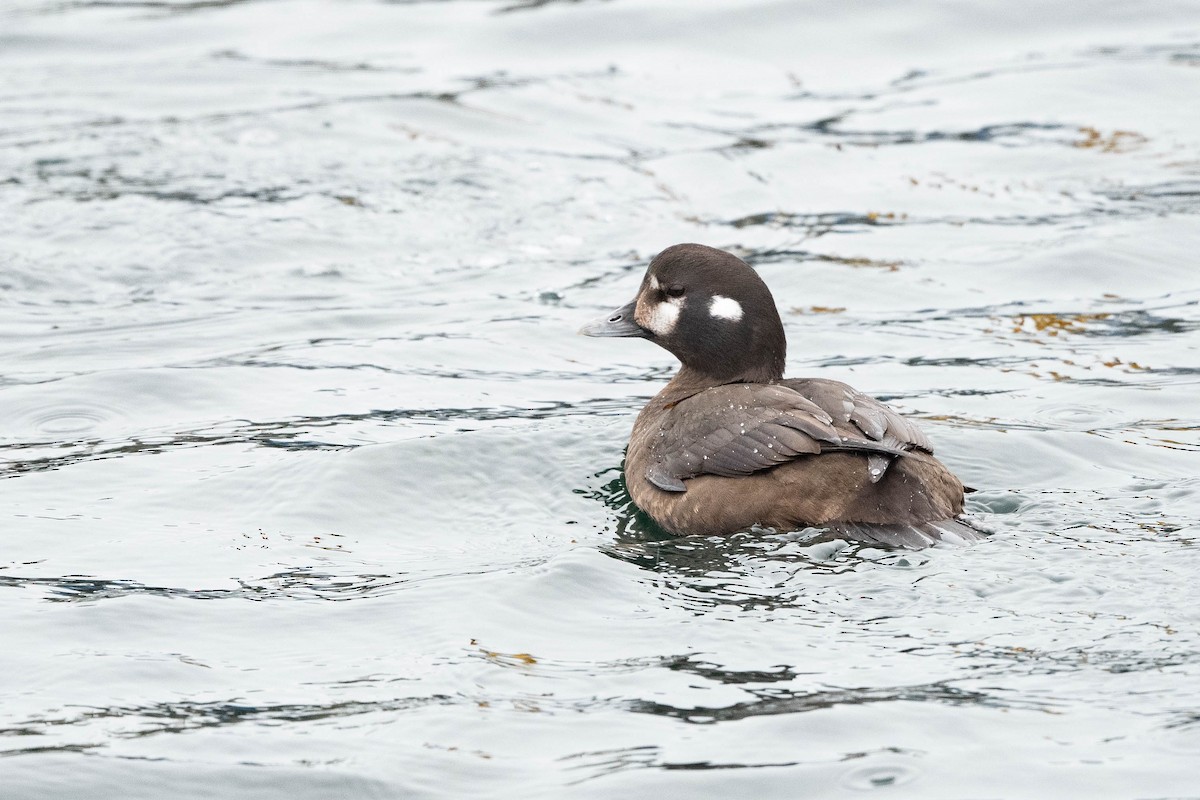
point(725, 308)
point(659, 318)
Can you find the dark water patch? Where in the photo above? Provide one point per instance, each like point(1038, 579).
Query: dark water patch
point(758, 571)
point(819, 224)
point(313, 63)
point(182, 716)
point(295, 584)
point(296, 434)
point(274, 435)
point(81, 589)
point(717, 673)
point(1008, 134)
point(784, 701)
point(45, 750)
point(714, 560)
point(1035, 661)
point(1174, 197)
point(96, 184)
point(604, 763)
point(633, 527)
point(814, 223)
point(301, 583)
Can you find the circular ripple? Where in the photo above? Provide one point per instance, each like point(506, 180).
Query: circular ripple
point(70, 420)
point(1075, 417)
point(75, 420)
point(879, 776)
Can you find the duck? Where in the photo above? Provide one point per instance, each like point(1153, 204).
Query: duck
point(730, 444)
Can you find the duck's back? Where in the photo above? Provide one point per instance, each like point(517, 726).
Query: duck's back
point(856, 477)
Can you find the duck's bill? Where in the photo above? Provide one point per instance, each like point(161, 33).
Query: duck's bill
point(618, 323)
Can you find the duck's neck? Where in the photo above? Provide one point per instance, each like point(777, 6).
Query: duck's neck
point(689, 381)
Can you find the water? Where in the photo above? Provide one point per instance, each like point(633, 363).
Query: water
point(309, 490)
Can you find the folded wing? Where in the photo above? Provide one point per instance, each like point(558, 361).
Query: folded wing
point(849, 406)
point(739, 429)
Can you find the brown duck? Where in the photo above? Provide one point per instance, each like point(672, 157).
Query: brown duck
point(729, 442)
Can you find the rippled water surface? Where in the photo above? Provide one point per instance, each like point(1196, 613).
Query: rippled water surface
point(308, 490)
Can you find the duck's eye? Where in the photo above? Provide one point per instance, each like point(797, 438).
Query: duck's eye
point(674, 290)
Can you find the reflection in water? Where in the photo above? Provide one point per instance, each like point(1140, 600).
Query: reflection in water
point(297, 584)
point(784, 701)
point(639, 540)
point(610, 762)
point(714, 672)
point(633, 526)
point(181, 717)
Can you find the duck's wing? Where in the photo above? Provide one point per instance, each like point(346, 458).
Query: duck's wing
point(848, 406)
point(739, 429)
point(852, 410)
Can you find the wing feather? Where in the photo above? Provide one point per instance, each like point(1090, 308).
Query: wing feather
point(740, 429)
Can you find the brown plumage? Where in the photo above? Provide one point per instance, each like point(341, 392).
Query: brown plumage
point(729, 443)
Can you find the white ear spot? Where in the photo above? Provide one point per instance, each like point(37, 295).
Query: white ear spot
point(654, 283)
point(725, 308)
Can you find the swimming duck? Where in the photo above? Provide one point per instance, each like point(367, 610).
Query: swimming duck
point(730, 443)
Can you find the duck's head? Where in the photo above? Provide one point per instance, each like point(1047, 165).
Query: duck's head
point(710, 310)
